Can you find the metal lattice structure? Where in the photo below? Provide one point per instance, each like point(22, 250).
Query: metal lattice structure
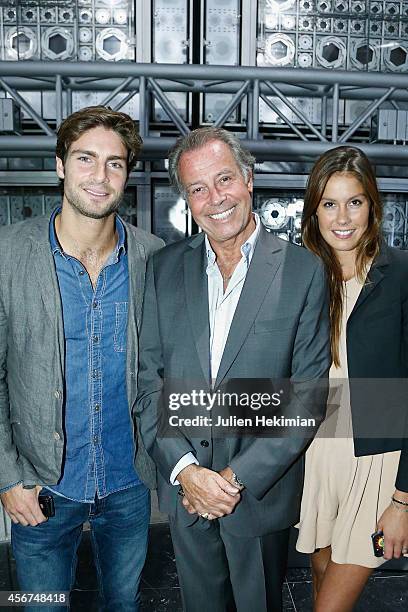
point(284, 90)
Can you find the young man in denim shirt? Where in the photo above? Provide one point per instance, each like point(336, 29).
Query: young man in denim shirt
point(71, 290)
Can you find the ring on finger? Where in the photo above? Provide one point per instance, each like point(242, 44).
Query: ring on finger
point(404, 551)
point(205, 515)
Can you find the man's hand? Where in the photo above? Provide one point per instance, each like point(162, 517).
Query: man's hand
point(22, 505)
point(206, 492)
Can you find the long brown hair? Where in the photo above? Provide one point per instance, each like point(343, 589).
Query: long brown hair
point(351, 160)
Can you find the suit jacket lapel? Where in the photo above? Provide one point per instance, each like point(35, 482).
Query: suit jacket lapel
point(196, 295)
point(44, 266)
point(374, 277)
point(47, 282)
point(265, 263)
point(137, 272)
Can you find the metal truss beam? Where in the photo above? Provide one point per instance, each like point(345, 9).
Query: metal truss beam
point(103, 70)
point(248, 84)
point(264, 150)
point(264, 180)
point(197, 86)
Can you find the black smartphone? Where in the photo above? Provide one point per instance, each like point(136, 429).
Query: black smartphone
point(378, 543)
point(46, 502)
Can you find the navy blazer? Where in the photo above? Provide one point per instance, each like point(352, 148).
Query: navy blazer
point(377, 350)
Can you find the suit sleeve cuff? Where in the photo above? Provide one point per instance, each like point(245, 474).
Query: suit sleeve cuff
point(10, 486)
point(187, 459)
point(401, 482)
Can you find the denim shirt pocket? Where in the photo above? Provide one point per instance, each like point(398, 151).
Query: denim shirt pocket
point(120, 335)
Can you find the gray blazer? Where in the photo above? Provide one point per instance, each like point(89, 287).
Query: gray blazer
point(280, 330)
point(32, 352)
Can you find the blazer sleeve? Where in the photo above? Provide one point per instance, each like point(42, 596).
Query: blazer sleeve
point(401, 482)
point(10, 470)
point(165, 452)
point(265, 460)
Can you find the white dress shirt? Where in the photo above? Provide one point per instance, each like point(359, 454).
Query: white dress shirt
point(221, 310)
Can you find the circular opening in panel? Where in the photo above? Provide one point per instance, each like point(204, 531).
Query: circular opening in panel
point(398, 56)
point(364, 54)
point(57, 44)
point(331, 53)
point(111, 45)
point(278, 50)
point(21, 43)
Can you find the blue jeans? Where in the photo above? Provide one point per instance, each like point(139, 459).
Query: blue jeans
point(46, 554)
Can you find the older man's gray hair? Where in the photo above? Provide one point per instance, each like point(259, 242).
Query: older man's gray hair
point(200, 137)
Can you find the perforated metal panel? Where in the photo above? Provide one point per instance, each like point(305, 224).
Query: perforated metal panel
point(222, 32)
point(60, 30)
point(170, 31)
point(374, 34)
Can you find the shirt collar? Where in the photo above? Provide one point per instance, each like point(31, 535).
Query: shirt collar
point(247, 249)
point(119, 248)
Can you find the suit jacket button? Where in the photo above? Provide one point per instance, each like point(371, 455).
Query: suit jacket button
point(205, 443)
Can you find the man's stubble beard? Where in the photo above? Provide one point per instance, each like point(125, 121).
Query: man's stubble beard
point(85, 209)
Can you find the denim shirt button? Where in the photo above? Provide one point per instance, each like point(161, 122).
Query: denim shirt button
point(57, 394)
point(57, 436)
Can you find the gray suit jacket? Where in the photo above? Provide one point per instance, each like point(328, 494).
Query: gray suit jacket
point(32, 352)
point(280, 330)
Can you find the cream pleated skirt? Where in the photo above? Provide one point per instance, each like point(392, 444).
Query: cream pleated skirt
point(343, 498)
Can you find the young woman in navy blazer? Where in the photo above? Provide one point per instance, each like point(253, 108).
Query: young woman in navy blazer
point(356, 481)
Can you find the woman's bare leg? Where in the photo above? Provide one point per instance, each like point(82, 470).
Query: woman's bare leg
point(319, 559)
point(340, 586)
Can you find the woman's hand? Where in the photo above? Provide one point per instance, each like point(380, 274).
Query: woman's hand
point(394, 524)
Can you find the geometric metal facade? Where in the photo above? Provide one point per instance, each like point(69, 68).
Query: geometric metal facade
point(338, 34)
point(290, 77)
point(84, 30)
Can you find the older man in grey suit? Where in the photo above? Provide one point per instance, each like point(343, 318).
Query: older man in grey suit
point(71, 290)
point(232, 303)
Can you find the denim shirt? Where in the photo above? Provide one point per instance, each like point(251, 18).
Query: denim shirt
point(99, 449)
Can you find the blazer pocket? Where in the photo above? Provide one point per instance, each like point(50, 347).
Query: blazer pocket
point(274, 325)
point(120, 335)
